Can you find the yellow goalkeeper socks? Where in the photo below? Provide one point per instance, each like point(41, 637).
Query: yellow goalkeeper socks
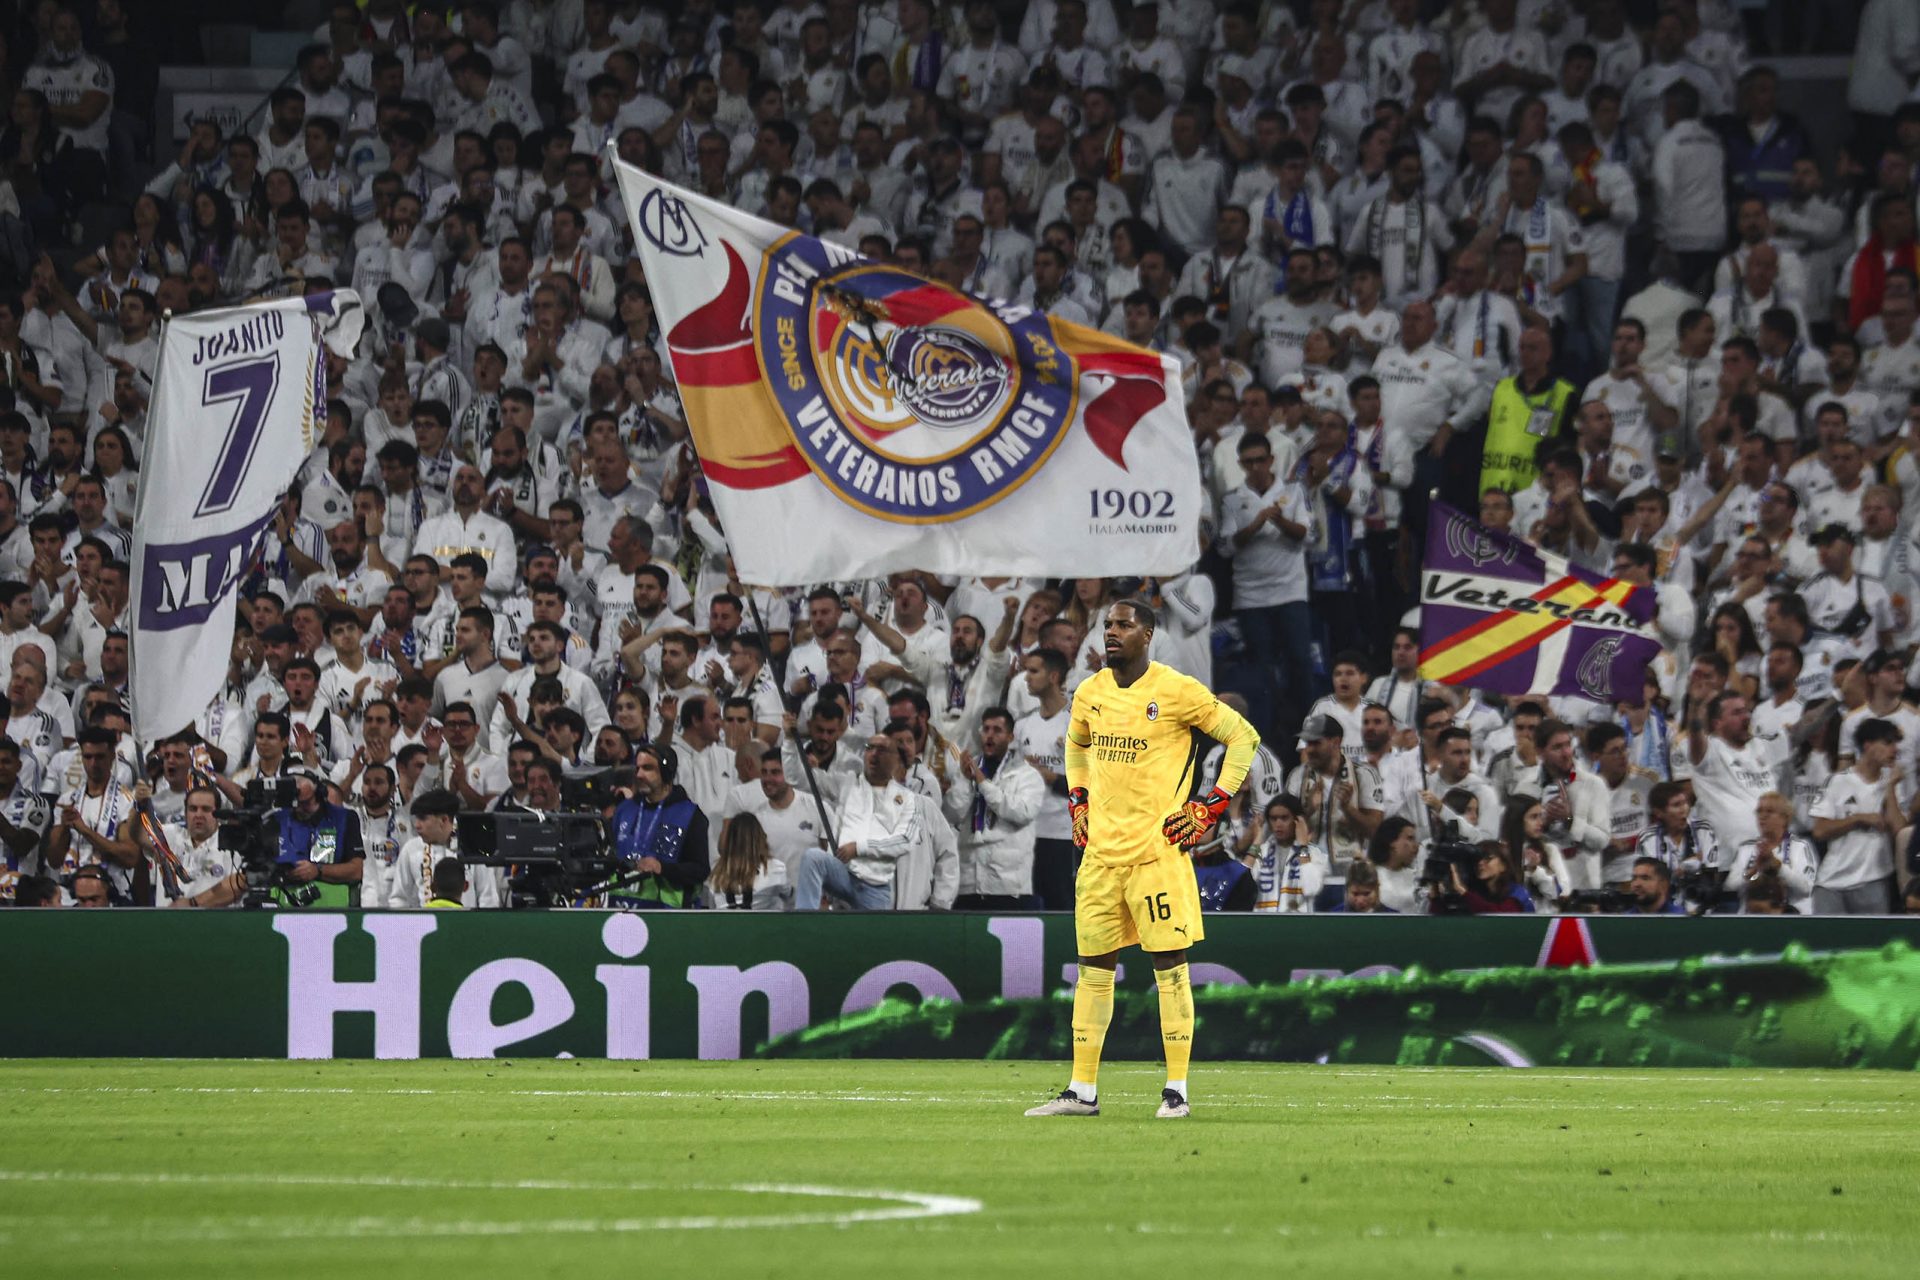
point(1176, 1023)
point(1092, 1011)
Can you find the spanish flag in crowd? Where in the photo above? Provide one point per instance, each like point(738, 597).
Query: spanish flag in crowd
point(1497, 613)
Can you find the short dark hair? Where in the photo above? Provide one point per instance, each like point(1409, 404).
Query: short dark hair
point(1547, 730)
point(1639, 554)
point(1877, 730)
point(438, 802)
point(1142, 612)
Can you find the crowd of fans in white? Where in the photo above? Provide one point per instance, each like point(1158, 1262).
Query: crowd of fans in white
point(1566, 261)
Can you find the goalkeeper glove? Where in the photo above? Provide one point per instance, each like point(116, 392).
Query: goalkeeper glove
point(1077, 811)
point(1192, 820)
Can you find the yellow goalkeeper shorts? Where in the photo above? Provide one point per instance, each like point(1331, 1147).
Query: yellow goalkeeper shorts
point(1155, 904)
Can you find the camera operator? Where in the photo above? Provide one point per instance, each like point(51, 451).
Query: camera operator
point(91, 887)
point(1495, 889)
point(1776, 857)
point(1651, 889)
point(321, 854)
point(658, 833)
point(543, 780)
point(213, 875)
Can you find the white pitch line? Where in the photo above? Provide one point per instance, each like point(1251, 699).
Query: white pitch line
point(1370, 1104)
point(902, 1206)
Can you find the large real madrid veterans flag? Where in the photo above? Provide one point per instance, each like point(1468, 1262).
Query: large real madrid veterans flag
point(234, 398)
point(1497, 613)
point(853, 419)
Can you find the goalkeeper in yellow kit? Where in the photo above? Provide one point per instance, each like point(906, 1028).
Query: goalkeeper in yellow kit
point(1131, 755)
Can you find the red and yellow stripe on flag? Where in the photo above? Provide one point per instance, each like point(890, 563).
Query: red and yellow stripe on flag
point(1510, 632)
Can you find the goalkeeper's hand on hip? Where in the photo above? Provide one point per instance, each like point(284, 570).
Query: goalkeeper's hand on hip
point(1192, 820)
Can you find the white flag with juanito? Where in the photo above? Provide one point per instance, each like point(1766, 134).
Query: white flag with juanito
point(233, 407)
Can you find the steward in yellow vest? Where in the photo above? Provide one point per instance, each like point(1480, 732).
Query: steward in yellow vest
point(1527, 408)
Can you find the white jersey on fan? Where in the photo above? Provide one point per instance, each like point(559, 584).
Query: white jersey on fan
point(1728, 783)
point(1044, 738)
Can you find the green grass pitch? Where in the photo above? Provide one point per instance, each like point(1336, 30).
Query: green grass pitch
point(862, 1168)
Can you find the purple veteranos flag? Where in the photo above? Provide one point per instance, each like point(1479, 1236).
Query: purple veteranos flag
point(1497, 613)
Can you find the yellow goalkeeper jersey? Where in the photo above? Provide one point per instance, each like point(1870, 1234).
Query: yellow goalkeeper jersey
point(1140, 754)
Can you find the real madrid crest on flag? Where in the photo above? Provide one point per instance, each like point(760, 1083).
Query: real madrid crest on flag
point(855, 418)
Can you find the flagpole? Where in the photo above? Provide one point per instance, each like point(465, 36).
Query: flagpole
point(134, 574)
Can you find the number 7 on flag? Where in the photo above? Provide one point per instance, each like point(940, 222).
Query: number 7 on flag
point(251, 383)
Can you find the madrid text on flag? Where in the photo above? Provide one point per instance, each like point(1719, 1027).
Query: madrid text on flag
point(1497, 613)
point(903, 424)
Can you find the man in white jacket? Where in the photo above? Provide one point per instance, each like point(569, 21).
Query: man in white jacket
point(993, 804)
point(879, 824)
point(927, 875)
point(1579, 806)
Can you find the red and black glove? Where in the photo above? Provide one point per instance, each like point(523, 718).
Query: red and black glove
point(1192, 820)
point(1077, 811)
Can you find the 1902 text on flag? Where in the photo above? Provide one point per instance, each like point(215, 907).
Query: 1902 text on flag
point(853, 418)
point(1497, 613)
point(233, 406)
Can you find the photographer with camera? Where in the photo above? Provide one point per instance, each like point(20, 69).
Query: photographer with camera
point(1651, 889)
point(214, 875)
point(320, 852)
point(659, 836)
point(1493, 889)
point(1778, 867)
